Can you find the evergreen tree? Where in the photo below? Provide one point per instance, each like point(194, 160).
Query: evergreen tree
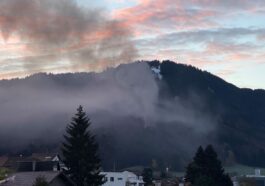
point(147, 176)
point(206, 169)
point(80, 152)
point(196, 167)
point(204, 181)
point(213, 165)
point(200, 156)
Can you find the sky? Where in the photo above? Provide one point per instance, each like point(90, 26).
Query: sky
point(224, 37)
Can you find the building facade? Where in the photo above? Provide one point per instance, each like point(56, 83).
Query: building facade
point(122, 179)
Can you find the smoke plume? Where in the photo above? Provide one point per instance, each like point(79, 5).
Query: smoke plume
point(60, 36)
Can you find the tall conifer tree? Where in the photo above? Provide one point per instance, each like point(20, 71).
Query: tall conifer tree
point(147, 176)
point(195, 168)
point(80, 152)
point(206, 169)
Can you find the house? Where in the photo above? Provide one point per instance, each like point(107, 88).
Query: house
point(12, 161)
point(255, 179)
point(45, 156)
point(49, 157)
point(35, 162)
point(31, 166)
point(122, 179)
point(28, 178)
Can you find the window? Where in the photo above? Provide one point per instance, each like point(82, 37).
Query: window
point(119, 178)
point(112, 179)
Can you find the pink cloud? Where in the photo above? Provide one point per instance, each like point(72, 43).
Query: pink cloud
point(154, 16)
point(239, 57)
point(225, 72)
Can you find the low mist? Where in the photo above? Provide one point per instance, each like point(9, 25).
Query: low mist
point(123, 103)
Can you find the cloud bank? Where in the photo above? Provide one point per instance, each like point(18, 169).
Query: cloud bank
point(124, 97)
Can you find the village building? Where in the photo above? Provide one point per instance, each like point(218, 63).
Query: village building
point(50, 166)
point(28, 178)
point(122, 179)
point(256, 179)
point(27, 169)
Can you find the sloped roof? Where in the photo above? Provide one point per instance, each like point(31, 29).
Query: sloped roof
point(44, 156)
point(28, 178)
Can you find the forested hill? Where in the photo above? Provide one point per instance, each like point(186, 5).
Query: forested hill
point(241, 124)
point(144, 113)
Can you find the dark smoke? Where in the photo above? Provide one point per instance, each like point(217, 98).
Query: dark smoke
point(62, 36)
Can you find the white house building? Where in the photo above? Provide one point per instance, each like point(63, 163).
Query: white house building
point(257, 178)
point(122, 179)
